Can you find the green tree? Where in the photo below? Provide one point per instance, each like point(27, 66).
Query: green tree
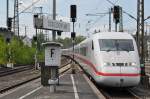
point(3, 47)
point(79, 39)
point(40, 40)
point(20, 53)
point(67, 42)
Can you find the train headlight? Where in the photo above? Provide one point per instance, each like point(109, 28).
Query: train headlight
point(132, 64)
point(106, 64)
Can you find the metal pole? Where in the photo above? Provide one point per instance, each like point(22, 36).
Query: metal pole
point(143, 55)
point(54, 18)
point(115, 26)
point(148, 44)
point(36, 51)
point(18, 24)
point(145, 42)
point(54, 70)
point(140, 27)
point(137, 33)
point(7, 15)
point(73, 40)
point(16, 18)
point(110, 20)
point(121, 21)
point(9, 53)
point(141, 39)
point(25, 30)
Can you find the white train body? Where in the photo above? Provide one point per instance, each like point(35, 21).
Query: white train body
point(110, 58)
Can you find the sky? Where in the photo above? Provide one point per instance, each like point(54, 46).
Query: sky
point(85, 25)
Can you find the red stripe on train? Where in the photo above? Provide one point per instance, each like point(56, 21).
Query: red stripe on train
point(101, 73)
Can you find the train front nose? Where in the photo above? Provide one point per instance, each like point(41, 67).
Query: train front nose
point(119, 81)
point(120, 77)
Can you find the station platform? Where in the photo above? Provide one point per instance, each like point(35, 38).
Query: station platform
point(72, 86)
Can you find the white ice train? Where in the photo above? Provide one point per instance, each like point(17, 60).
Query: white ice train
point(110, 58)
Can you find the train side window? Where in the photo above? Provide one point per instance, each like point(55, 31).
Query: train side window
point(83, 51)
point(92, 45)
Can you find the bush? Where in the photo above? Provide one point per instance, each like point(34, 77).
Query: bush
point(3, 50)
point(20, 53)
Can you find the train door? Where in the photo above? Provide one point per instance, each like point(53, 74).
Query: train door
point(91, 55)
point(88, 56)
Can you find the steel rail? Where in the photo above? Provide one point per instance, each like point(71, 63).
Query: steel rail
point(34, 78)
point(16, 70)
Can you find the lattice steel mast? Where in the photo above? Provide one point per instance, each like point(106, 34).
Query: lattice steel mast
point(140, 32)
point(16, 18)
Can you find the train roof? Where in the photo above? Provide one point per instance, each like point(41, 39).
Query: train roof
point(112, 35)
point(107, 35)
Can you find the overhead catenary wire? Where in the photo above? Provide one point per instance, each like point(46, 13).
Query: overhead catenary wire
point(101, 15)
point(122, 10)
point(96, 21)
point(28, 7)
point(110, 2)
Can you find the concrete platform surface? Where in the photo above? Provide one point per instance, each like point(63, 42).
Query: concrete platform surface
point(72, 86)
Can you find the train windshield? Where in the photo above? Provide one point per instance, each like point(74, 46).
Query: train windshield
point(116, 45)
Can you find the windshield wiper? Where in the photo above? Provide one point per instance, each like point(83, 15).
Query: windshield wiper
point(108, 50)
point(125, 50)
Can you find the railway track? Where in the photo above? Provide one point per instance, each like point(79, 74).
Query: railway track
point(6, 72)
point(114, 93)
point(64, 68)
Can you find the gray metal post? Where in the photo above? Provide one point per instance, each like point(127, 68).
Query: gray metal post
point(16, 18)
point(25, 30)
point(54, 18)
point(140, 32)
point(110, 20)
point(145, 42)
point(54, 71)
point(73, 42)
point(7, 15)
point(36, 51)
point(115, 26)
point(54, 78)
point(141, 38)
point(121, 21)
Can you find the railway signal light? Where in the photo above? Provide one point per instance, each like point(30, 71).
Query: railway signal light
point(59, 33)
point(35, 16)
point(9, 23)
point(116, 13)
point(35, 38)
point(73, 11)
point(73, 34)
point(8, 40)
